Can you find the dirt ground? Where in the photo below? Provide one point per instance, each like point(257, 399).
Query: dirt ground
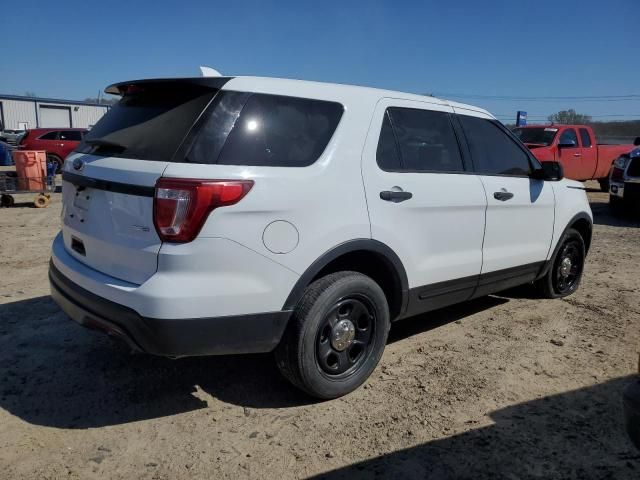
point(501, 387)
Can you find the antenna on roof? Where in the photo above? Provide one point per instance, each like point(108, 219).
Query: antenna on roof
point(209, 72)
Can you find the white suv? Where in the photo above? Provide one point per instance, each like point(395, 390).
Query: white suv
point(207, 216)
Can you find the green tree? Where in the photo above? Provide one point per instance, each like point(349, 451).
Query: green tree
point(570, 117)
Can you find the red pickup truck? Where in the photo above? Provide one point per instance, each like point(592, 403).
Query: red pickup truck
point(575, 147)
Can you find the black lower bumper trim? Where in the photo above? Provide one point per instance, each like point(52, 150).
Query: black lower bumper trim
point(253, 333)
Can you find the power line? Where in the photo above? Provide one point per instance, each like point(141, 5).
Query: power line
point(631, 96)
point(509, 98)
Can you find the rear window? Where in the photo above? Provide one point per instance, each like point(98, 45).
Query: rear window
point(236, 128)
point(148, 123)
point(264, 130)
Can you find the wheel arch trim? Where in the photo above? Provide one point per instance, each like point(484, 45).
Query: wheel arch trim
point(570, 224)
point(361, 244)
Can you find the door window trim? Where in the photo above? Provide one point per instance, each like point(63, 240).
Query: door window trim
point(586, 132)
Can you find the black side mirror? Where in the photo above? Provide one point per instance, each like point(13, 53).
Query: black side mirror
point(636, 142)
point(550, 171)
point(567, 144)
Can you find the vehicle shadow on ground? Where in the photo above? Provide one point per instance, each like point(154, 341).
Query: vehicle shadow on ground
point(431, 320)
point(559, 436)
point(58, 374)
point(602, 215)
point(23, 205)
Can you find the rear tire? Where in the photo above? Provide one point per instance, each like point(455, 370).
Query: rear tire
point(336, 335)
point(567, 265)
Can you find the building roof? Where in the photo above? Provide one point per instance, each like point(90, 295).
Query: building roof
point(51, 100)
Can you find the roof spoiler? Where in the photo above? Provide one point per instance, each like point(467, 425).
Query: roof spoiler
point(207, 82)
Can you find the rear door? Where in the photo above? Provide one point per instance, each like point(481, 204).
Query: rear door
point(422, 201)
point(108, 183)
point(520, 209)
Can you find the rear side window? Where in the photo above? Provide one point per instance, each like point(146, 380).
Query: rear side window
point(493, 151)
point(424, 140)
point(585, 138)
point(71, 135)
point(50, 136)
point(149, 122)
point(265, 130)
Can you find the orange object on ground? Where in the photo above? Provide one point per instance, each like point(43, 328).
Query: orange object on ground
point(31, 167)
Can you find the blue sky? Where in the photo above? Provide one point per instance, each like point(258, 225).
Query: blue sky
point(558, 48)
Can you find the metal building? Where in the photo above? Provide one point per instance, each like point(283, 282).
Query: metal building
point(21, 113)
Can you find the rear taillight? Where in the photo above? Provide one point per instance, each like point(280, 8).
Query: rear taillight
point(181, 206)
point(617, 174)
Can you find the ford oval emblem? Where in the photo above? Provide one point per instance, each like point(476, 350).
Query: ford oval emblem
point(78, 164)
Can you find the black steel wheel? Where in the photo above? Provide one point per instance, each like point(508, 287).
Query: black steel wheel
point(336, 335)
point(568, 267)
point(565, 271)
point(345, 337)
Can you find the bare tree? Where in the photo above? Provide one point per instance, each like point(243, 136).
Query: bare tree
point(570, 117)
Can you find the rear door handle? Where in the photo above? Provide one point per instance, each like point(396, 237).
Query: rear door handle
point(503, 196)
point(395, 197)
point(577, 154)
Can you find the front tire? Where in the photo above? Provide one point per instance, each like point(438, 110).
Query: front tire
point(336, 335)
point(567, 265)
point(604, 184)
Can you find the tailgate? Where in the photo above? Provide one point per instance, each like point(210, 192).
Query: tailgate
point(107, 217)
point(109, 181)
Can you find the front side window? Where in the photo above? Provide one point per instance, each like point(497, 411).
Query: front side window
point(424, 139)
point(493, 151)
point(568, 136)
point(585, 137)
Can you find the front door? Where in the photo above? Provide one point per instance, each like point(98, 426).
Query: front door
point(423, 202)
point(520, 210)
point(571, 156)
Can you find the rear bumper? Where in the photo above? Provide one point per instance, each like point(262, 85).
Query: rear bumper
point(631, 401)
point(253, 333)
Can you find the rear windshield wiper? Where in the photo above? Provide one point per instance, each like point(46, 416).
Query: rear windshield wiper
point(99, 142)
